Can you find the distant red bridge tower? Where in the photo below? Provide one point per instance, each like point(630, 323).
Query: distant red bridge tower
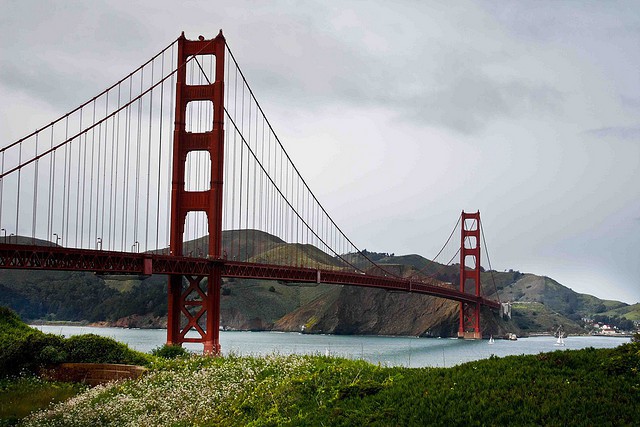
point(470, 275)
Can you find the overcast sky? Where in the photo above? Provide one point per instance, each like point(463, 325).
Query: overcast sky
point(400, 114)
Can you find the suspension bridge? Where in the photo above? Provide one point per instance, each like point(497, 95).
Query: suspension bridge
point(176, 170)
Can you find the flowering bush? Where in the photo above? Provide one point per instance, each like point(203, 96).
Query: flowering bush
point(193, 391)
point(170, 351)
point(599, 384)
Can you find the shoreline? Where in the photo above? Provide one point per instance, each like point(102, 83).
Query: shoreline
point(106, 324)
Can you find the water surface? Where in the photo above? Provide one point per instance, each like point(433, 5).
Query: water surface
point(391, 351)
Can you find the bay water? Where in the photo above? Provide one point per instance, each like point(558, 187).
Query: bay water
point(389, 351)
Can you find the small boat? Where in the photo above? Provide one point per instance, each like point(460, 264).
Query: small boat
point(491, 340)
point(512, 337)
point(560, 334)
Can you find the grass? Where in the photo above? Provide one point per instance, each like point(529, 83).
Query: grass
point(590, 386)
point(631, 312)
point(21, 396)
point(596, 387)
point(535, 316)
point(274, 305)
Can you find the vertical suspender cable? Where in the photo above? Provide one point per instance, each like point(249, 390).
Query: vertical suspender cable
point(113, 188)
point(35, 197)
point(486, 251)
point(157, 245)
point(97, 162)
point(255, 174)
point(248, 181)
point(136, 209)
point(146, 213)
point(52, 178)
point(18, 192)
point(241, 176)
point(80, 165)
point(100, 212)
point(170, 151)
point(234, 163)
point(125, 193)
point(65, 196)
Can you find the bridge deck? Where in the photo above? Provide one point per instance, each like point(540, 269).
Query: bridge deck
point(98, 261)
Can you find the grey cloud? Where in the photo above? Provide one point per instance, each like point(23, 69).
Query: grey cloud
point(48, 83)
point(631, 102)
point(70, 66)
point(469, 103)
point(470, 67)
point(629, 133)
point(455, 96)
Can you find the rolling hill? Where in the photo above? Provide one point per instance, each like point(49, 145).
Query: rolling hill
point(539, 303)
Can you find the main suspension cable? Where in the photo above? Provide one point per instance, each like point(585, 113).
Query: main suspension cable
point(298, 172)
point(486, 250)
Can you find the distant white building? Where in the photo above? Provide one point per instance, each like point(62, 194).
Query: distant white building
point(608, 330)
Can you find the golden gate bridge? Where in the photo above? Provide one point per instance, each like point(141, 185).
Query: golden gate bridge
point(144, 178)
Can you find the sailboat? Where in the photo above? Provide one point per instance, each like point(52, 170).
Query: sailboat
point(491, 340)
point(560, 334)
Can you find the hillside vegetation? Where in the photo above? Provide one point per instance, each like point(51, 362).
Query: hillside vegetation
point(26, 350)
point(599, 387)
point(540, 303)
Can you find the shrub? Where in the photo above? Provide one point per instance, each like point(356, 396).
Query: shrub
point(624, 359)
point(52, 355)
point(23, 351)
point(92, 348)
point(170, 351)
point(10, 322)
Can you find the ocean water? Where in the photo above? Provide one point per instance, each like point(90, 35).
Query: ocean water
point(389, 351)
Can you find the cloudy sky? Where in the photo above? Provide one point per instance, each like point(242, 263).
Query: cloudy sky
point(400, 114)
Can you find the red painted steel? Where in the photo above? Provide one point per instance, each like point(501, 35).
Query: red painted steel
point(470, 247)
point(194, 306)
point(104, 262)
point(200, 309)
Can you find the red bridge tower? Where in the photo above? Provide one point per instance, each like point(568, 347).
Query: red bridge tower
point(470, 275)
point(192, 305)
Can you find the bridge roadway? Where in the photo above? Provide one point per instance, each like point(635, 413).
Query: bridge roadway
point(27, 257)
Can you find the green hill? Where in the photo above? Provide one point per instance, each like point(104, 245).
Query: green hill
point(540, 304)
point(630, 312)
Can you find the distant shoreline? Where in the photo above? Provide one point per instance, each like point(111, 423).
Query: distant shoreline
point(104, 324)
point(82, 323)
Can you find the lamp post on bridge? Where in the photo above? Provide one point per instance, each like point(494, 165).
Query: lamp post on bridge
point(5, 235)
point(57, 238)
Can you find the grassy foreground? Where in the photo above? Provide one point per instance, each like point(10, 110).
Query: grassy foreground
point(583, 387)
point(20, 396)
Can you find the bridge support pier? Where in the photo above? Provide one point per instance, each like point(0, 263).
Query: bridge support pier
point(212, 338)
point(470, 275)
point(195, 306)
point(469, 321)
